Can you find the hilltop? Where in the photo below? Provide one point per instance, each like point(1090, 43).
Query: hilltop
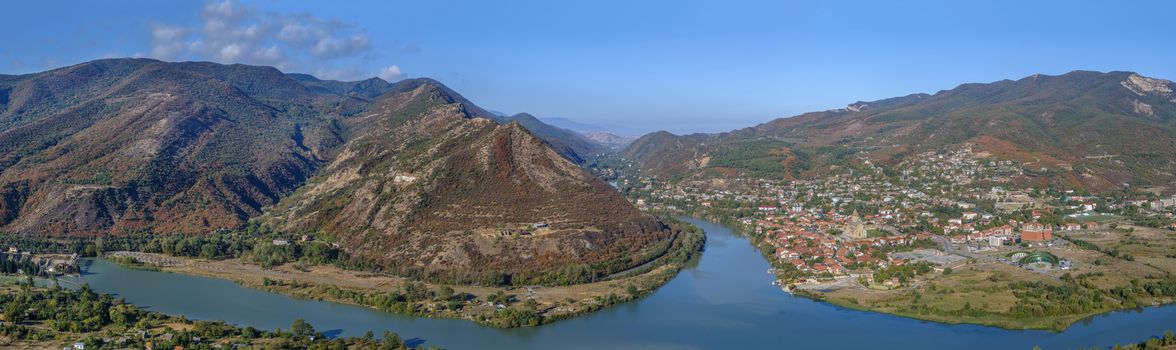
point(1087, 129)
point(426, 188)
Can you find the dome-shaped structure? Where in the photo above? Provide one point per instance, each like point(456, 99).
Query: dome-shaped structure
point(1036, 257)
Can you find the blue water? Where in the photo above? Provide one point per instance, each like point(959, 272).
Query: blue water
point(726, 301)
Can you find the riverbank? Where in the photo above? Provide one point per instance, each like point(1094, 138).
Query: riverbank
point(499, 307)
point(99, 321)
point(1114, 270)
point(1140, 273)
point(969, 297)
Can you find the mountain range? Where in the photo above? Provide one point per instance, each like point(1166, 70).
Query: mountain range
point(1084, 129)
point(570, 144)
point(408, 176)
point(602, 135)
point(413, 178)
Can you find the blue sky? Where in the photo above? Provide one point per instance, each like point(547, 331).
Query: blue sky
point(639, 66)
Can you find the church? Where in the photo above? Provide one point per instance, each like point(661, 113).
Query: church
point(855, 229)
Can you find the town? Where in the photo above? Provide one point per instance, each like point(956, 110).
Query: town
point(857, 223)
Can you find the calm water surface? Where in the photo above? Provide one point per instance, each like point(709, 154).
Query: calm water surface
point(726, 301)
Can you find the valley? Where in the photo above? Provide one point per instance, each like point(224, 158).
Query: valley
point(408, 199)
point(375, 175)
point(955, 233)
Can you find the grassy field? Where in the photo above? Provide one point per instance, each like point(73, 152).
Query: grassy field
point(9, 280)
point(980, 287)
point(1120, 274)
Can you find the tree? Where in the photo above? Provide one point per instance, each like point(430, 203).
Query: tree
point(445, 293)
point(122, 314)
point(498, 298)
point(391, 341)
point(301, 328)
point(14, 313)
point(208, 251)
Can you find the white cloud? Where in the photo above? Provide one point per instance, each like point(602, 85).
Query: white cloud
point(340, 73)
point(328, 47)
point(167, 41)
point(233, 33)
point(391, 73)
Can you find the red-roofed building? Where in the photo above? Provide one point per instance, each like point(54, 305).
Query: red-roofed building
point(1035, 236)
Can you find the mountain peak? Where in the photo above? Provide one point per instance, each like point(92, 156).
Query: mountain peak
point(572, 145)
point(524, 116)
point(440, 91)
point(457, 184)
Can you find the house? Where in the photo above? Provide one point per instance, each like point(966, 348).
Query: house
point(1004, 230)
point(1032, 226)
point(280, 241)
point(79, 345)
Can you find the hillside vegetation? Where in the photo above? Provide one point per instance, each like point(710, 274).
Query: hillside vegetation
point(1095, 130)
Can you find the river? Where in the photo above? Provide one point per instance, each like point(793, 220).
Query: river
point(725, 301)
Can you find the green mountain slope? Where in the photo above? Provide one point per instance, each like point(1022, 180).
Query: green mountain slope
point(1099, 130)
